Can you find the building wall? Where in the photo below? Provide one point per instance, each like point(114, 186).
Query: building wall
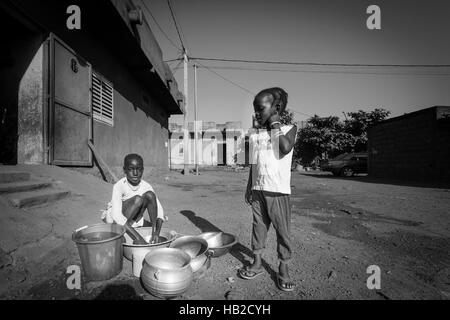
point(411, 147)
point(30, 112)
point(134, 131)
point(235, 140)
point(140, 123)
point(140, 120)
point(20, 83)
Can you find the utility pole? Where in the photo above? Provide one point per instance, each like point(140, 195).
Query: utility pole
point(195, 121)
point(185, 122)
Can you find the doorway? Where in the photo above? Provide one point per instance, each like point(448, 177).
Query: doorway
point(70, 106)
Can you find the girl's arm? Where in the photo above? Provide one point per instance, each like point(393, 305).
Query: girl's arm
point(286, 142)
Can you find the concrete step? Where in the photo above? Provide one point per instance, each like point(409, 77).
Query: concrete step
point(21, 186)
point(13, 176)
point(37, 197)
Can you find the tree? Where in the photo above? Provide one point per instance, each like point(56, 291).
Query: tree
point(329, 136)
point(357, 124)
point(287, 117)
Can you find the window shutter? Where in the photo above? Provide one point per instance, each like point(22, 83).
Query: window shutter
point(102, 99)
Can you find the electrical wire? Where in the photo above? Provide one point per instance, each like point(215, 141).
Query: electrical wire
point(324, 64)
point(176, 68)
point(159, 26)
point(227, 80)
point(330, 71)
point(302, 113)
point(176, 25)
point(171, 60)
point(245, 89)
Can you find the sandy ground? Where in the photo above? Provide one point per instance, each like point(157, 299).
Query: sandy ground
point(339, 228)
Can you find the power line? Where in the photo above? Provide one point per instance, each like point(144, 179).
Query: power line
point(245, 89)
point(241, 87)
point(158, 25)
point(305, 114)
point(176, 67)
point(328, 71)
point(171, 60)
point(176, 25)
point(325, 64)
point(228, 80)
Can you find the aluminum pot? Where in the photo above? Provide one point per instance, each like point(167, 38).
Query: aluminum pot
point(141, 249)
point(219, 243)
point(196, 247)
point(167, 272)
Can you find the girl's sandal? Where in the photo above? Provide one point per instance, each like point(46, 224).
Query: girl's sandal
point(247, 274)
point(282, 282)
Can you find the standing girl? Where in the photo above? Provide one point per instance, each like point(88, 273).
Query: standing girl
point(269, 183)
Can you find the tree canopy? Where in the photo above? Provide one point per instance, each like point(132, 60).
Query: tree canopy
point(329, 136)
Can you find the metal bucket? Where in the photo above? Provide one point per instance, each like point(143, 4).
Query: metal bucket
point(100, 249)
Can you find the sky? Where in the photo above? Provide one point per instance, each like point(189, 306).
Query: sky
point(319, 31)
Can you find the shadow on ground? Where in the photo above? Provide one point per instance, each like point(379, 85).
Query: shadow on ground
point(239, 251)
point(118, 292)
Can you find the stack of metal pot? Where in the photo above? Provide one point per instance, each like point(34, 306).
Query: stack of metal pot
point(169, 272)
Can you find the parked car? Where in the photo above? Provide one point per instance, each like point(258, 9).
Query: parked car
point(347, 164)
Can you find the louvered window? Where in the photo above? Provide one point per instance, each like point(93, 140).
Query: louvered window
point(102, 99)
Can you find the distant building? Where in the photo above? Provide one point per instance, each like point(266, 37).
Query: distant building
point(415, 146)
point(218, 144)
point(105, 82)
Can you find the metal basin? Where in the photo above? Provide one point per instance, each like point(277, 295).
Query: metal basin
point(196, 247)
point(167, 272)
point(141, 249)
point(219, 243)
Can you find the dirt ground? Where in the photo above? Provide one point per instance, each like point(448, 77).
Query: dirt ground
point(339, 228)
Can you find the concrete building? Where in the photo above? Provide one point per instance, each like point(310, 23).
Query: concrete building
point(104, 82)
point(218, 144)
point(415, 146)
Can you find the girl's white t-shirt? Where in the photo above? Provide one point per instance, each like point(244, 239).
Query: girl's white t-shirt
point(270, 171)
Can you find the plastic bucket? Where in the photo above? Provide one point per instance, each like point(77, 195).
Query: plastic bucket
point(100, 249)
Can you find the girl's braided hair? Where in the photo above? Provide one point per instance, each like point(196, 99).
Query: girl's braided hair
point(280, 97)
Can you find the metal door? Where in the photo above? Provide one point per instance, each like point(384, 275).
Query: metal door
point(70, 106)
